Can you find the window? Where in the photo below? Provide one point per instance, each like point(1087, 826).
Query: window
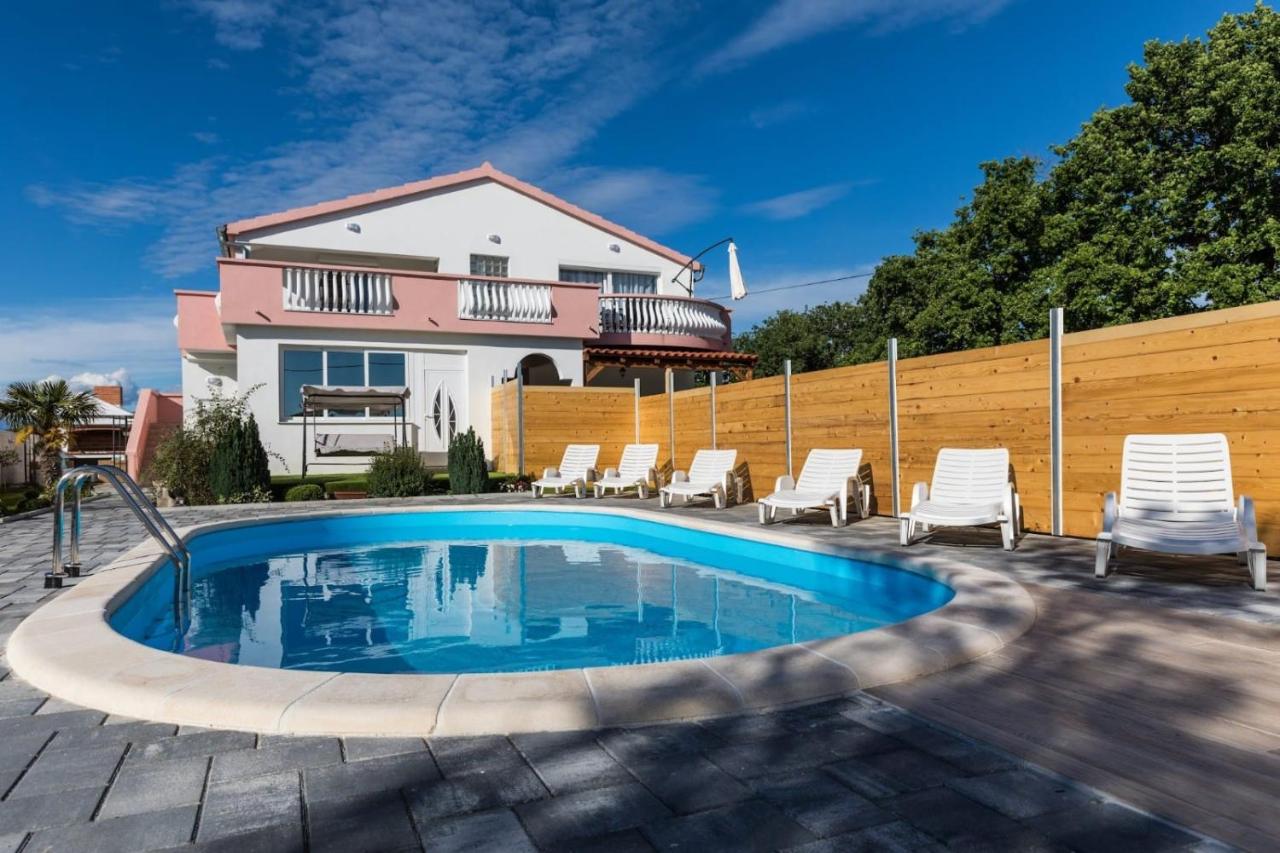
point(355, 368)
point(489, 266)
point(612, 281)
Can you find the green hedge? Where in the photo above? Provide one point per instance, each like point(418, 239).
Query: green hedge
point(305, 492)
point(281, 483)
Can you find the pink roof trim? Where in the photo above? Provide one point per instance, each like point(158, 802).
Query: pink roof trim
point(485, 172)
point(199, 325)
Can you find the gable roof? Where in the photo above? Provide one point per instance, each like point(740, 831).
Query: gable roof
point(485, 172)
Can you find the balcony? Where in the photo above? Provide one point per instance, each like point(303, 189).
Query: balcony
point(285, 294)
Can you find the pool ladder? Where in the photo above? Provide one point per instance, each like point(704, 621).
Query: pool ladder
point(76, 479)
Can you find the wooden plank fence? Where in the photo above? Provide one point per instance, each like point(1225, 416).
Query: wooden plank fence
point(1217, 371)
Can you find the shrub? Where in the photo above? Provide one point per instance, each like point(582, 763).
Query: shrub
point(305, 492)
point(30, 494)
point(30, 504)
point(468, 471)
point(238, 467)
point(348, 484)
point(398, 473)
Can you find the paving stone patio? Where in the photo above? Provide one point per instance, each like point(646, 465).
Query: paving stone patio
point(851, 774)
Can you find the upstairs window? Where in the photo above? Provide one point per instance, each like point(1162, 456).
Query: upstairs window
point(352, 368)
point(489, 266)
point(612, 281)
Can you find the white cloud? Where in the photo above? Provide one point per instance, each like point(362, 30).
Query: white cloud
point(87, 381)
point(131, 340)
point(801, 203)
point(789, 22)
point(782, 111)
point(205, 137)
point(406, 91)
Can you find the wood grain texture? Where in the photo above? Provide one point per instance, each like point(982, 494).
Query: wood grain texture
point(1213, 372)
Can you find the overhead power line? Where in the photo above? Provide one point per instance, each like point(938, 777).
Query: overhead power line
point(802, 284)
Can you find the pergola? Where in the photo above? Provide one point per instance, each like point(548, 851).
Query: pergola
point(379, 400)
point(741, 365)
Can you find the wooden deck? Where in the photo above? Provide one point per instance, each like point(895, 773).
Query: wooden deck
point(1177, 713)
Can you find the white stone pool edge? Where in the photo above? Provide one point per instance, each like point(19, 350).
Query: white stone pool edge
point(68, 649)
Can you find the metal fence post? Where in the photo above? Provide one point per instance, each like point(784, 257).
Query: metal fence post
point(786, 401)
point(520, 422)
point(713, 409)
point(1055, 420)
point(637, 407)
point(895, 475)
point(671, 414)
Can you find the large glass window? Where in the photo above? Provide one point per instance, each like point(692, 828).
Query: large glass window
point(352, 368)
point(613, 281)
point(298, 367)
point(489, 266)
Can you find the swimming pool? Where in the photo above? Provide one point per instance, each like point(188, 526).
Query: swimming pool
point(486, 591)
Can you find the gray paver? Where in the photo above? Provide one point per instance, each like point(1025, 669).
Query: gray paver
point(121, 835)
point(819, 803)
point(361, 778)
point(362, 748)
point(570, 761)
point(1022, 793)
point(134, 733)
point(896, 837)
point(375, 823)
point(491, 830)
point(202, 743)
point(65, 769)
point(747, 826)
point(474, 792)
point(283, 755)
point(243, 805)
point(155, 785)
point(1110, 828)
point(583, 814)
point(32, 813)
point(690, 784)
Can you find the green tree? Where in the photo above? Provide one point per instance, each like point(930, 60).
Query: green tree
point(50, 411)
point(468, 470)
point(1162, 206)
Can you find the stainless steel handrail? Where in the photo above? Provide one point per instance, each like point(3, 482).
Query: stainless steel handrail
point(142, 508)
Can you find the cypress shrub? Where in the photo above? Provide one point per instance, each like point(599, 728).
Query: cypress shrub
point(468, 471)
point(398, 473)
point(257, 466)
point(226, 473)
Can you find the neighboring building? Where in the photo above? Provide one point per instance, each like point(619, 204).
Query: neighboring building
point(445, 286)
point(103, 440)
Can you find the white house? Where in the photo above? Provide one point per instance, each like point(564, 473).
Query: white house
point(445, 287)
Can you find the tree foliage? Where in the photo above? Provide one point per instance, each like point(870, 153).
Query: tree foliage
point(48, 411)
point(398, 473)
point(1166, 205)
point(468, 470)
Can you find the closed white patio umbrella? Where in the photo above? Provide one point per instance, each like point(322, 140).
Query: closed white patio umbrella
point(737, 287)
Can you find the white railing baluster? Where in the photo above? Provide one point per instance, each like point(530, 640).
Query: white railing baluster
point(336, 291)
point(508, 301)
point(661, 315)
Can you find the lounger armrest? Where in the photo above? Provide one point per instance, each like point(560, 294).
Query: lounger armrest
point(679, 477)
point(919, 494)
point(785, 483)
point(548, 473)
point(1110, 511)
point(1248, 518)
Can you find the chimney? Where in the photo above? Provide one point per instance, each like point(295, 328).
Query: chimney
point(113, 394)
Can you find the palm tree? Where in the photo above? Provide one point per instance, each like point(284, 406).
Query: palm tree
point(48, 410)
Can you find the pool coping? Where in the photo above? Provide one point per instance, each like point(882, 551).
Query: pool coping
point(68, 649)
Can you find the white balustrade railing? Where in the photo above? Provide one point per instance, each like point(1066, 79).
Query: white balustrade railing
point(661, 315)
point(511, 301)
point(337, 291)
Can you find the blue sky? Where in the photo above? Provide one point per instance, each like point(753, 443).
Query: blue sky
point(819, 133)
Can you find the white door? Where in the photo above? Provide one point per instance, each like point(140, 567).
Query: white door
point(446, 402)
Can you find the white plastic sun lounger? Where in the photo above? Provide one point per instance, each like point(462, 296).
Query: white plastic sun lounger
point(636, 470)
point(828, 480)
point(577, 469)
point(1176, 496)
point(970, 487)
point(711, 474)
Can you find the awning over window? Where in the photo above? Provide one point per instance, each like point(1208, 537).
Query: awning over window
point(596, 359)
point(379, 400)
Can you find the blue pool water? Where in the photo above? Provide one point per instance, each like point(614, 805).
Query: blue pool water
point(505, 590)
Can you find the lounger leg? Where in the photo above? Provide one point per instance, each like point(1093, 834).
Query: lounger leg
point(906, 530)
point(720, 497)
point(763, 513)
point(835, 515)
point(1258, 568)
point(643, 491)
point(1006, 533)
point(1102, 561)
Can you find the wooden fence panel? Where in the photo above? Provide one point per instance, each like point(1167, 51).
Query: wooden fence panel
point(846, 407)
point(1212, 372)
point(992, 397)
point(502, 427)
point(750, 418)
point(655, 425)
point(555, 416)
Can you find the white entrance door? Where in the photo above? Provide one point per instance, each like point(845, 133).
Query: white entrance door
point(446, 402)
